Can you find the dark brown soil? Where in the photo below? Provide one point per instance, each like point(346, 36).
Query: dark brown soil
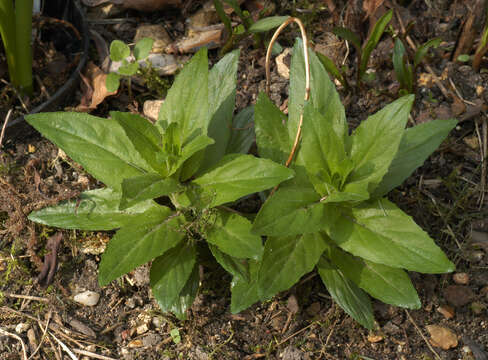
point(447, 197)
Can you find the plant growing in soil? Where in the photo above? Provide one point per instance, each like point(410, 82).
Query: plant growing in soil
point(167, 184)
point(16, 33)
point(333, 215)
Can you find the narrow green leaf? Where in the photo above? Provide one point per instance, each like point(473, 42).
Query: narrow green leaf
point(245, 293)
point(99, 145)
point(139, 241)
point(348, 35)
point(352, 299)
point(286, 260)
point(373, 40)
point(112, 82)
point(118, 50)
point(187, 296)
point(400, 62)
point(187, 100)
point(145, 187)
point(222, 15)
point(242, 132)
point(192, 156)
point(143, 48)
point(380, 232)
point(238, 175)
point(94, 210)
point(234, 266)
point(332, 69)
point(170, 273)
point(232, 234)
point(416, 146)
point(272, 136)
point(375, 142)
point(390, 285)
point(424, 49)
point(267, 23)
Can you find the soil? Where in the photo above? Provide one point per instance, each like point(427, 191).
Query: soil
point(446, 196)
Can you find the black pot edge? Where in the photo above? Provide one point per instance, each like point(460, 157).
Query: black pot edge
point(19, 129)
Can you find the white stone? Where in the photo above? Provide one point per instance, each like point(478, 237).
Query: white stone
point(87, 298)
point(21, 327)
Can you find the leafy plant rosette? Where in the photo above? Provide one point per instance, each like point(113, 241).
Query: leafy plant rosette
point(333, 215)
point(190, 162)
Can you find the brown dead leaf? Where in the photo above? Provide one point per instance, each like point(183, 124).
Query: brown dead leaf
point(94, 89)
point(442, 337)
point(370, 6)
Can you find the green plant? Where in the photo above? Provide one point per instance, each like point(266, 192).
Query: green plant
point(333, 215)
point(363, 52)
point(482, 46)
point(16, 32)
point(168, 183)
point(404, 69)
point(119, 51)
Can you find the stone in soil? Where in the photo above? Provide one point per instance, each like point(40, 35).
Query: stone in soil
point(442, 337)
point(458, 295)
point(87, 298)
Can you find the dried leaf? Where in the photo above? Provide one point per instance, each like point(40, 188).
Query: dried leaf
point(370, 6)
point(94, 89)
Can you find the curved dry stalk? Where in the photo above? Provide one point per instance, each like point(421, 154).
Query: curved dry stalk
point(307, 75)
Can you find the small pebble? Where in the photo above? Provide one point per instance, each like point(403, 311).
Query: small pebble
point(461, 278)
point(372, 338)
point(21, 327)
point(442, 337)
point(87, 298)
point(141, 329)
point(135, 344)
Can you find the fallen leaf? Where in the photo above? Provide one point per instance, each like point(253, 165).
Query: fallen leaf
point(447, 311)
point(370, 6)
point(94, 89)
point(442, 337)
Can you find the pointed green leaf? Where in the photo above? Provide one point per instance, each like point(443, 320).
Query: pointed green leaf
point(375, 142)
point(286, 260)
point(145, 187)
point(352, 299)
point(416, 146)
point(141, 240)
point(234, 266)
point(187, 100)
point(242, 132)
point(170, 273)
point(187, 296)
point(143, 48)
point(118, 50)
point(94, 210)
point(424, 49)
point(332, 69)
point(238, 175)
point(99, 145)
point(245, 293)
point(400, 64)
point(382, 233)
point(348, 35)
point(267, 23)
point(271, 134)
point(232, 234)
point(192, 156)
point(390, 285)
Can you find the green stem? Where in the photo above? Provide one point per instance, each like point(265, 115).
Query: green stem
point(23, 23)
point(7, 31)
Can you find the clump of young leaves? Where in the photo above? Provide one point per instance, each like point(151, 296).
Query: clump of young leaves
point(120, 51)
point(190, 161)
point(333, 215)
point(405, 71)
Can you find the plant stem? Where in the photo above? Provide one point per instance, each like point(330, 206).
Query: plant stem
point(23, 34)
point(7, 31)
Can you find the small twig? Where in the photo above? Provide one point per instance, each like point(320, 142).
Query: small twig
point(64, 347)
point(16, 337)
point(92, 355)
point(7, 118)
point(459, 94)
point(295, 334)
point(44, 331)
point(331, 331)
point(422, 335)
point(484, 152)
point(26, 297)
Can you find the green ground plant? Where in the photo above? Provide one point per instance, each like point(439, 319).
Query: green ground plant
point(168, 183)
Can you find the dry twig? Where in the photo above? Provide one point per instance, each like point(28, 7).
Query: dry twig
point(16, 337)
point(422, 335)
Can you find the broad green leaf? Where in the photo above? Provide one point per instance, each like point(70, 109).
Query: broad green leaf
point(238, 175)
point(232, 234)
point(291, 210)
point(234, 266)
point(118, 50)
point(139, 241)
point(380, 232)
point(242, 132)
point(352, 299)
point(424, 49)
point(170, 273)
point(323, 94)
point(267, 23)
point(221, 97)
point(145, 187)
point(192, 156)
point(375, 142)
point(332, 69)
point(245, 293)
point(373, 40)
point(348, 35)
point(390, 285)
point(99, 145)
point(144, 136)
point(286, 260)
point(187, 100)
point(94, 210)
point(128, 69)
point(112, 81)
point(416, 146)
point(187, 296)
point(272, 136)
point(143, 48)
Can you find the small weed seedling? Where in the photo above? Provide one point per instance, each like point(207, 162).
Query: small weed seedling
point(168, 183)
point(333, 215)
point(119, 51)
